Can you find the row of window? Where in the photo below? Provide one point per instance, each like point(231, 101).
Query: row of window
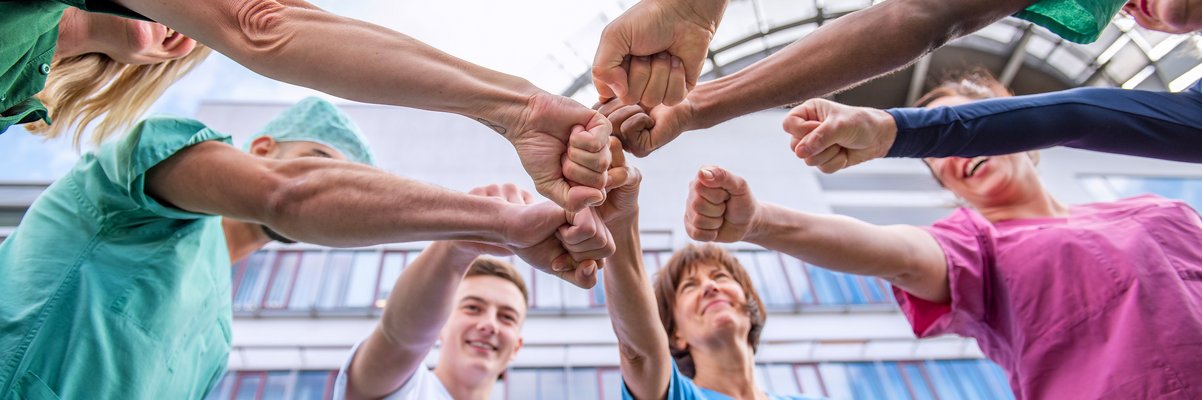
point(307, 281)
point(902, 380)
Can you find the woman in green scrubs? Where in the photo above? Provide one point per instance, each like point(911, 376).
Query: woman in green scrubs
point(59, 61)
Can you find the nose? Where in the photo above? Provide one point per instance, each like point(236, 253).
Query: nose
point(487, 325)
point(709, 288)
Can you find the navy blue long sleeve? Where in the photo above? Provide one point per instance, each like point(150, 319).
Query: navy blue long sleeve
point(1133, 122)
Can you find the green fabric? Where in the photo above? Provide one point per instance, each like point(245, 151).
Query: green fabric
point(29, 33)
point(109, 294)
point(1078, 21)
point(316, 120)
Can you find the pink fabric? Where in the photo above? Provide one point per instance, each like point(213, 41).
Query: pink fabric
point(1104, 304)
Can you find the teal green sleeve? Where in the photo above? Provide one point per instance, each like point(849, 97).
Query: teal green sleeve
point(1078, 21)
point(125, 161)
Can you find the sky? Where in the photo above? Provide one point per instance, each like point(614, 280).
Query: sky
point(549, 42)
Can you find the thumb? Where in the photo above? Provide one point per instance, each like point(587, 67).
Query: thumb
point(818, 140)
point(718, 178)
point(608, 75)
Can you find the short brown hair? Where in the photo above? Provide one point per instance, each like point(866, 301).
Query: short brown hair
point(490, 266)
point(679, 265)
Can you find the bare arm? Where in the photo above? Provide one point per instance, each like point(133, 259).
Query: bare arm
point(332, 203)
point(296, 42)
point(906, 256)
point(419, 305)
point(843, 53)
point(642, 342)
point(721, 208)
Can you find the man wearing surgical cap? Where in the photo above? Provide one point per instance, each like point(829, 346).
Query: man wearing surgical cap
point(116, 284)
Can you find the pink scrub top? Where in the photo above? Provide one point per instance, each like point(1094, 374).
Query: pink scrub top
point(1103, 304)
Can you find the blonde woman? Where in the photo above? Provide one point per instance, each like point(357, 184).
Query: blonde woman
point(74, 67)
point(295, 42)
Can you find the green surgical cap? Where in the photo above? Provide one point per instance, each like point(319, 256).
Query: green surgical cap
point(316, 120)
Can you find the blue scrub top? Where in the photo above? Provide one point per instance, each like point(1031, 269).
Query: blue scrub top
point(680, 387)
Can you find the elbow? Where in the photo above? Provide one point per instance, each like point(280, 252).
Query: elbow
point(284, 196)
point(261, 30)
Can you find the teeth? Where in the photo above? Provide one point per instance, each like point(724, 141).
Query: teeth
point(482, 344)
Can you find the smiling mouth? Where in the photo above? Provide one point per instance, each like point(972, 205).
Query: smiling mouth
point(974, 166)
point(1143, 6)
point(481, 345)
point(715, 303)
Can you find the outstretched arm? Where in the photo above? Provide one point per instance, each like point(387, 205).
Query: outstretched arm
point(840, 54)
point(722, 209)
point(330, 202)
point(642, 342)
point(419, 305)
point(296, 42)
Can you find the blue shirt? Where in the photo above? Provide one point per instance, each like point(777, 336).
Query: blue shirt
point(1132, 122)
point(680, 387)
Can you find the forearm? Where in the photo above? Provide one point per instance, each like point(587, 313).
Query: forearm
point(839, 243)
point(843, 53)
point(298, 43)
point(419, 305)
point(634, 313)
point(1133, 122)
point(346, 205)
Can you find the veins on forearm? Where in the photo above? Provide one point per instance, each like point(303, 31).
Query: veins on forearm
point(492, 125)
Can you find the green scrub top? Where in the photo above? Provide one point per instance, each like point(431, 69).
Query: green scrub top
point(29, 29)
point(1077, 21)
point(106, 293)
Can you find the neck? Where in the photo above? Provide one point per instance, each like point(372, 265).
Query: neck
point(74, 37)
point(465, 389)
point(727, 368)
point(1036, 204)
point(242, 238)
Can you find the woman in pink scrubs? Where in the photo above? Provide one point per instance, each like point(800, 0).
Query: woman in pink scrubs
point(1094, 301)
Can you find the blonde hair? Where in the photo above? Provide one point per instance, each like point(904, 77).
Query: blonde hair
point(90, 87)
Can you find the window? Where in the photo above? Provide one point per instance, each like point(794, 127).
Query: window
point(1114, 187)
point(942, 379)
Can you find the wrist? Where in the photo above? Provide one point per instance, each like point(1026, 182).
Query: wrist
point(705, 13)
point(761, 223)
point(885, 128)
point(506, 107)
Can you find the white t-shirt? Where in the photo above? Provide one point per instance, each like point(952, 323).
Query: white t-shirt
point(421, 386)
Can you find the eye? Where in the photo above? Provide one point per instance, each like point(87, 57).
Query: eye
point(472, 308)
point(721, 275)
point(509, 318)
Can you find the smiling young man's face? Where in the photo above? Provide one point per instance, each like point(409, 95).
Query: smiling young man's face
point(1173, 16)
point(483, 334)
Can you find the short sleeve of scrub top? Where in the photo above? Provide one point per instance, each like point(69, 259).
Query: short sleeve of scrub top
point(126, 162)
point(422, 385)
point(967, 243)
point(1078, 21)
point(680, 387)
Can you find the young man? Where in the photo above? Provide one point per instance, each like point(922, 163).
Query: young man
point(117, 284)
point(474, 305)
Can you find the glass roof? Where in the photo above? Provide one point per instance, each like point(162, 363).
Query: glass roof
point(552, 42)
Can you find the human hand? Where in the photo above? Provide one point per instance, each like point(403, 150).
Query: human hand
point(720, 207)
point(642, 133)
point(530, 234)
point(569, 172)
point(833, 136)
point(621, 207)
point(653, 52)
